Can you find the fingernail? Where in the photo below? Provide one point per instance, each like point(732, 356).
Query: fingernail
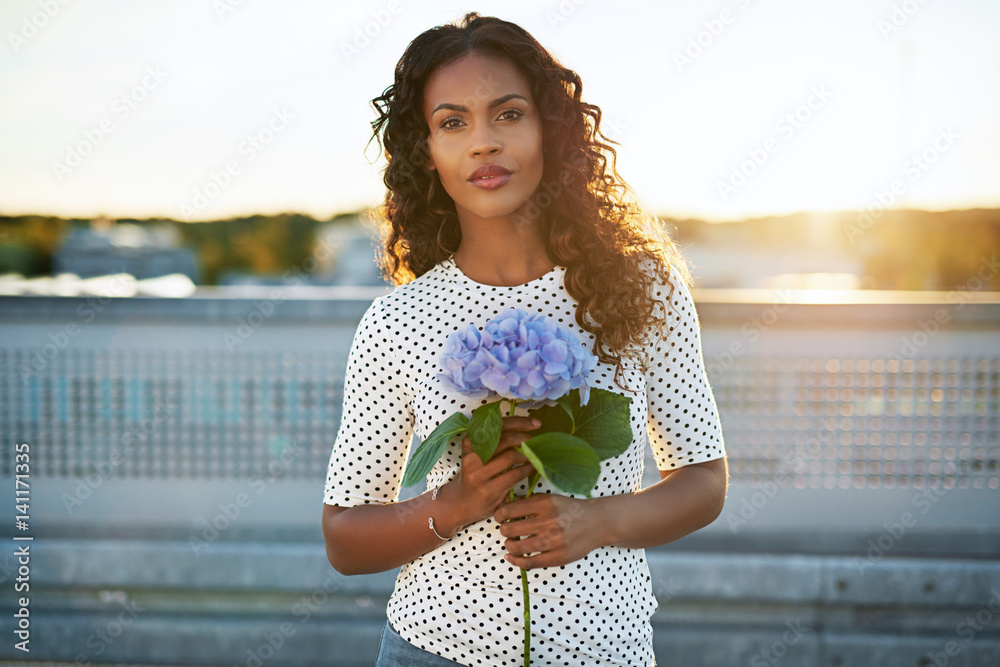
point(536, 423)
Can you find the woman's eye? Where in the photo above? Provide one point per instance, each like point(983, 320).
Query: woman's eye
point(455, 122)
point(511, 114)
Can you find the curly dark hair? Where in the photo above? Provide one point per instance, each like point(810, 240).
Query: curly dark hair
point(587, 213)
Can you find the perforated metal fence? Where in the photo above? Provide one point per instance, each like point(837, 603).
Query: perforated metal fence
point(172, 413)
point(838, 423)
point(798, 422)
point(184, 406)
point(833, 417)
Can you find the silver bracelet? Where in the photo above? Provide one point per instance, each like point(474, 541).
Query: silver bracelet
point(430, 522)
point(430, 519)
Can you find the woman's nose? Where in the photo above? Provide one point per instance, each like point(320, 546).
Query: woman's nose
point(484, 141)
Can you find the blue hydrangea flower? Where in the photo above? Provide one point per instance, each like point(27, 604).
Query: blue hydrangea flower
point(518, 355)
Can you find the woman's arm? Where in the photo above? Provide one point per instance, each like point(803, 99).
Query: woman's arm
point(694, 495)
point(380, 536)
point(559, 530)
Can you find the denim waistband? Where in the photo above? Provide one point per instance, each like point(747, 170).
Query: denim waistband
point(394, 651)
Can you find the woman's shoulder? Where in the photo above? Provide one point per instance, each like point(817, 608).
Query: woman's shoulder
point(416, 292)
point(666, 275)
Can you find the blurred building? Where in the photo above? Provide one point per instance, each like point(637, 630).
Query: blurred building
point(108, 248)
point(357, 264)
point(344, 255)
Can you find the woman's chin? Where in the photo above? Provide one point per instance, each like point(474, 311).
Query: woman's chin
point(516, 213)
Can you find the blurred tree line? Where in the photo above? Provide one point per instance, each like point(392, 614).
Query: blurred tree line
point(927, 250)
point(27, 242)
point(899, 249)
point(257, 244)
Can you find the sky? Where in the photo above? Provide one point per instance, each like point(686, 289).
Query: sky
point(206, 109)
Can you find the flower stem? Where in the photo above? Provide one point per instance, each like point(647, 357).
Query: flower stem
point(527, 617)
point(525, 592)
point(524, 589)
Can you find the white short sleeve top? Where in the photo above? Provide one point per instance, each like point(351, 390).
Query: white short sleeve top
point(462, 600)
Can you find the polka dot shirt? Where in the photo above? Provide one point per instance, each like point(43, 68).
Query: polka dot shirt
point(462, 600)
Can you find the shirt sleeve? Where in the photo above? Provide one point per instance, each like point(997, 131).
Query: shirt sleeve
point(376, 423)
point(684, 426)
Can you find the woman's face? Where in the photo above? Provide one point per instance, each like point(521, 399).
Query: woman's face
point(485, 136)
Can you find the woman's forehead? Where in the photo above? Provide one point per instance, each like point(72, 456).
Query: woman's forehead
point(472, 80)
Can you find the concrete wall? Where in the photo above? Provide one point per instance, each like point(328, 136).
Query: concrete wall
point(862, 525)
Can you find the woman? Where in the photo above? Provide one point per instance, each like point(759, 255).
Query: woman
point(503, 193)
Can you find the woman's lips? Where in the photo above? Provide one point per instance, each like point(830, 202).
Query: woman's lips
point(490, 176)
point(490, 182)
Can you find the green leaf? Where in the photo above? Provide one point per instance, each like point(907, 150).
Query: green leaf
point(567, 462)
point(484, 430)
point(604, 423)
point(554, 418)
point(570, 402)
point(431, 449)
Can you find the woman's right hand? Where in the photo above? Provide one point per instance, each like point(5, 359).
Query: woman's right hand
point(480, 488)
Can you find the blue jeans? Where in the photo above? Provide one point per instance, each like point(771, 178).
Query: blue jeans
point(394, 651)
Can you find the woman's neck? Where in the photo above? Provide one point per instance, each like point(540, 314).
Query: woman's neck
point(503, 255)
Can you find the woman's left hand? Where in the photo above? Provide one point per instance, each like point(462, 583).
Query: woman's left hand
point(556, 529)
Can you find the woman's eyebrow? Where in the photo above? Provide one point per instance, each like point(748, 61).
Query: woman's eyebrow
point(495, 103)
